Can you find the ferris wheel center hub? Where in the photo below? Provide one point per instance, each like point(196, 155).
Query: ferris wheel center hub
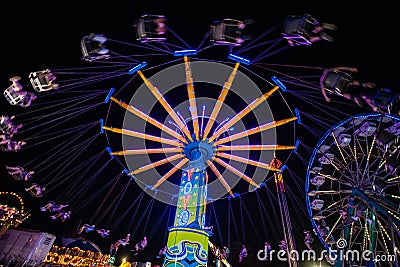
point(199, 150)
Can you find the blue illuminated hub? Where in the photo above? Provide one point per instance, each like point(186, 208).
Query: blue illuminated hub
point(199, 149)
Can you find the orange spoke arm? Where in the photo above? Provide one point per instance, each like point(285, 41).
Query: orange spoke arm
point(156, 164)
point(236, 171)
point(220, 101)
point(257, 129)
point(247, 161)
point(254, 147)
point(220, 177)
point(168, 174)
point(243, 113)
point(144, 136)
point(147, 151)
point(166, 106)
point(192, 98)
point(149, 119)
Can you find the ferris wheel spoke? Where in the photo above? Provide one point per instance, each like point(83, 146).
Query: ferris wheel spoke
point(328, 192)
point(339, 181)
point(149, 119)
point(144, 136)
point(339, 148)
point(220, 178)
point(220, 101)
point(243, 113)
point(157, 163)
point(254, 130)
point(192, 97)
point(166, 105)
point(339, 219)
point(147, 151)
point(247, 161)
point(384, 233)
point(170, 172)
point(236, 171)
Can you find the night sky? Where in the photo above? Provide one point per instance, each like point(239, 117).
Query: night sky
point(46, 34)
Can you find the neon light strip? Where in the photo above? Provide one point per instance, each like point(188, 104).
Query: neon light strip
point(220, 177)
point(144, 136)
point(257, 129)
point(157, 163)
point(239, 59)
point(137, 67)
point(109, 95)
point(220, 101)
point(236, 171)
point(243, 113)
point(254, 147)
point(279, 83)
point(101, 126)
point(186, 52)
point(192, 99)
point(149, 119)
point(147, 151)
point(165, 104)
point(168, 174)
point(247, 161)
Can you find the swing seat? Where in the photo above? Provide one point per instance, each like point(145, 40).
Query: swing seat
point(336, 82)
point(89, 48)
point(12, 96)
point(34, 194)
point(5, 128)
point(298, 29)
point(40, 81)
point(148, 28)
point(386, 100)
point(227, 32)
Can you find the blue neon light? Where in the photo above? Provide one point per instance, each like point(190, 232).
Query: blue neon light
point(109, 95)
point(297, 112)
point(186, 52)
point(101, 126)
point(239, 59)
point(284, 167)
point(137, 67)
point(279, 83)
point(297, 146)
point(109, 152)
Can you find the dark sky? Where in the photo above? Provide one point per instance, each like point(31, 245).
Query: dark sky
point(37, 35)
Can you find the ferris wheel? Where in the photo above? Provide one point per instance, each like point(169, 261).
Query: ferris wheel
point(352, 190)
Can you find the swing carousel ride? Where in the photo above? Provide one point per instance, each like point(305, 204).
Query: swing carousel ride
point(186, 136)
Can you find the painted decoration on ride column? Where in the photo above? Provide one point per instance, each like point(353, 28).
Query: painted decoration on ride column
point(187, 240)
point(191, 202)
